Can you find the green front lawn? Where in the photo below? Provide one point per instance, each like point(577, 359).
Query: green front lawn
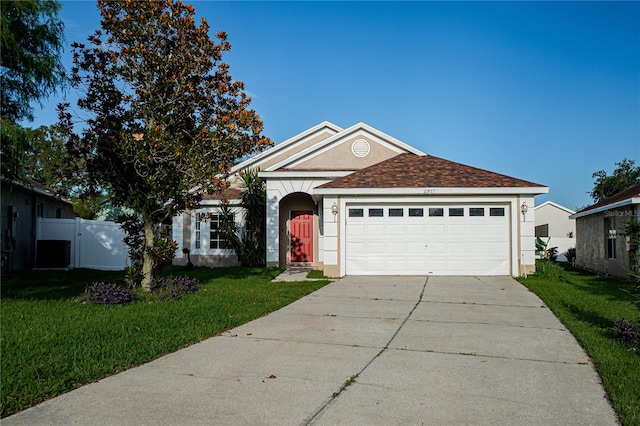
point(52, 344)
point(588, 305)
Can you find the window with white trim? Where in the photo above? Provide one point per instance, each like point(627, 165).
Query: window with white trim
point(206, 232)
point(216, 240)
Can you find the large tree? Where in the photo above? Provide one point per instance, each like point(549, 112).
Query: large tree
point(31, 40)
point(163, 119)
point(624, 175)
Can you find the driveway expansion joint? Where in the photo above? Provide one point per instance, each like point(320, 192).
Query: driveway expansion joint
point(311, 419)
point(490, 323)
point(480, 355)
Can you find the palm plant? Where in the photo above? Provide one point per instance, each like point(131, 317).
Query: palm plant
point(248, 243)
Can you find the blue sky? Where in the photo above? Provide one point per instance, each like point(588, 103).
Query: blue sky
point(543, 91)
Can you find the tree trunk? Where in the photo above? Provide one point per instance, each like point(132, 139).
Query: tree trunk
point(147, 258)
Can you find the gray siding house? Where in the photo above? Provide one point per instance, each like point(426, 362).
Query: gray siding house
point(22, 203)
point(601, 245)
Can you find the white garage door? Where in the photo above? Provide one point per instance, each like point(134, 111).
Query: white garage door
point(427, 239)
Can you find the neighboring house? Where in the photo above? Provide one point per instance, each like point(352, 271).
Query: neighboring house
point(601, 244)
point(553, 225)
point(357, 201)
point(23, 202)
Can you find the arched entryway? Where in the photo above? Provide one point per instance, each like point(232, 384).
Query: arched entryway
point(298, 228)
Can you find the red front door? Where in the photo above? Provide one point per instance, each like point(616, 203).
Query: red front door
point(301, 226)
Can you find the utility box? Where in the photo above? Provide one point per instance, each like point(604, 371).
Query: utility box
point(53, 254)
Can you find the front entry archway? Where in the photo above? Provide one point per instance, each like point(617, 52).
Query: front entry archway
point(298, 230)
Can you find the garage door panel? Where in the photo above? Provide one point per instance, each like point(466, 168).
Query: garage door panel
point(436, 266)
point(477, 248)
point(495, 267)
point(376, 229)
point(376, 247)
point(396, 266)
point(374, 267)
point(498, 229)
point(434, 230)
point(498, 247)
point(416, 245)
point(437, 248)
point(479, 229)
point(458, 229)
point(396, 248)
point(455, 248)
point(417, 229)
point(357, 229)
point(396, 229)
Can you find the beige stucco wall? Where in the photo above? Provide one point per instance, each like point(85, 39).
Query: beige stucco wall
point(340, 156)
point(591, 243)
point(295, 149)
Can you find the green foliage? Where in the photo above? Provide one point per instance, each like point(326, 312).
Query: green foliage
point(550, 270)
point(32, 37)
point(571, 254)
point(162, 251)
point(87, 207)
point(249, 243)
point(588, 305)
point(254, 201)
point(165, 114)
point(548, 253)
point(52, 344)
point(31, 40)
point(625, 174)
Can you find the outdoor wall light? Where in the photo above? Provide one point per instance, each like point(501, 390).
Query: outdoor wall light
point(334, 210)
point(524, 209)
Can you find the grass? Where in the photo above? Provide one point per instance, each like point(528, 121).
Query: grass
point(52, 344)
point(316, 274)
point(588, 305)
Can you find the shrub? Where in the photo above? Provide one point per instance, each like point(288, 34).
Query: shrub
point(628, 333)
point(571, 254)
point(551, 271)
point(103, 293)
point(173, 287)
point(163, 250)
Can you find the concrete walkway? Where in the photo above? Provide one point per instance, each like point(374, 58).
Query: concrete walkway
point(364, 351)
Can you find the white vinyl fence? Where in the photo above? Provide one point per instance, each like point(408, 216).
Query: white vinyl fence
point(94, 244)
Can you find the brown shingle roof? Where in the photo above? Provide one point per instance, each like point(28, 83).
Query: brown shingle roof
point(225, 194)
point(427, 171)
point(631, 192)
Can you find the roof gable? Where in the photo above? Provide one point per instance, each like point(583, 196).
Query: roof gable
point(289, 147)
point(412, 171)
point(338, 152)
point(556, 205)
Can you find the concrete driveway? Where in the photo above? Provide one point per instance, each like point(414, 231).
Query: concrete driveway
point(363, 350)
